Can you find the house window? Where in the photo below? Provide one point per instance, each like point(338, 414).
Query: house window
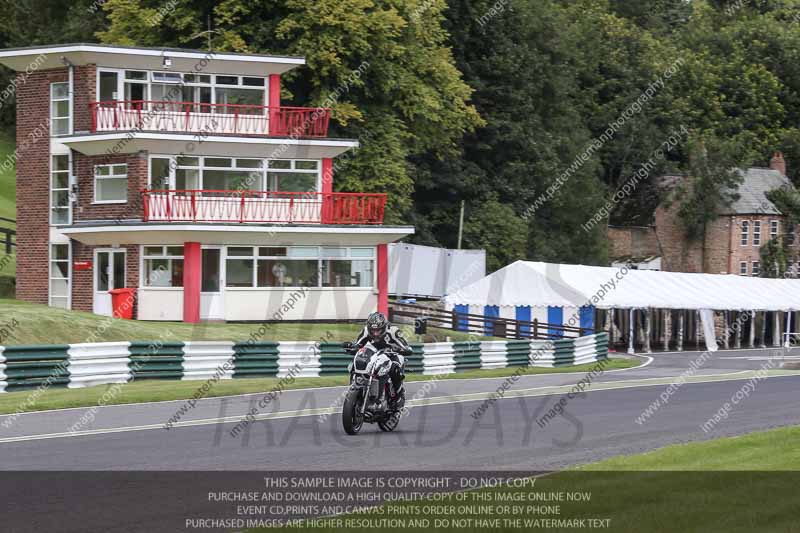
point(745, 232)
point(743, 268)
point(59, 109)
point(756, 233)
point(299, 266)
point(111, 183)
point(790, 236)
point(774, 225)
point(756, 268)
point(163, 266)
point(59, 190)
point(59, 276)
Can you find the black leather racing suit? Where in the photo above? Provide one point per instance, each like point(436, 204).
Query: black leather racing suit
point(398, 349)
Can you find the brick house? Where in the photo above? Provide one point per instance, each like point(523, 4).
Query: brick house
point(732, 240)
point(180, 174)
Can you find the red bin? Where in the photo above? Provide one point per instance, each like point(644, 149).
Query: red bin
point(122, 301)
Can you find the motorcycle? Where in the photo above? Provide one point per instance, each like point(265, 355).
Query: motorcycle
point(370, 398)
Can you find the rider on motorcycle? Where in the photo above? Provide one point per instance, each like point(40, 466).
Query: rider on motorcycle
point(383, 335)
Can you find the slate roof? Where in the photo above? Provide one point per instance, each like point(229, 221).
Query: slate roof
point(753, 192)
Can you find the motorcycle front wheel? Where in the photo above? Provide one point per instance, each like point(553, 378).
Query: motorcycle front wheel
point(352, 421)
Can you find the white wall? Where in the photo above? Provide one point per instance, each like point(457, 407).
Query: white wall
point(293, 304)
point(160, 304)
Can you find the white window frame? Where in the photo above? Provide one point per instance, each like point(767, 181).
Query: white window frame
point(756, 268)
point(743, 268)
point(68, 188)
point(53, 100)
point(774, 227)
point(756, 233)
point(744, 238)
point(110, 175)
point(162, 255)
point(50, 278)
point(260, 184)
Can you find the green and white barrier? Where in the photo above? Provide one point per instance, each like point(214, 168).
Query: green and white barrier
point(85, 365)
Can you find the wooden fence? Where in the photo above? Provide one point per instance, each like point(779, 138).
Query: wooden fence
point(484, 325)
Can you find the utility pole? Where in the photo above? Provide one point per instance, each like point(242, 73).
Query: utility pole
point(461, 224)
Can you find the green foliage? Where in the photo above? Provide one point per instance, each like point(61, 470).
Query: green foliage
point(494, 226)
point(711, 185)
point(774, 258)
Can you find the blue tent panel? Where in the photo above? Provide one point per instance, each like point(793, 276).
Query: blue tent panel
point(587, 319)
point(555, 316)
point(462, 310)
point(524, 315)
point(490, 311)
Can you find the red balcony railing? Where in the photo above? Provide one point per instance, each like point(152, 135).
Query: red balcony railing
point(192, 117)
point(263, 206)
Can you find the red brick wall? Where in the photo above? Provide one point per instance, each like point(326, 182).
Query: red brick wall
point(137, 180)
point(33, 183)
point(83, 281)
point(85, 89)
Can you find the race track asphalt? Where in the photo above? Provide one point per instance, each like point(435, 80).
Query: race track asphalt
point(301, 430)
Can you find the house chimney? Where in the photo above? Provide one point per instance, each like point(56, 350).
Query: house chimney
point(778, 163)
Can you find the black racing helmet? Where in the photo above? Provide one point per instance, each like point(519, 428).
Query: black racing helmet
point(376, 325)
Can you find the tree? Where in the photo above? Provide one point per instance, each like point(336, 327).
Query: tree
point(495, 227)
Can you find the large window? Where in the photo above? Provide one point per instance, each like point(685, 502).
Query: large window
point(111, 183)
point(774, 226)
point(743, 268)
point(299, 266)
point(59, 275)
point(59, 108)
point(59, 190)
point(756, 233)
point(234, 174)
point(163, 266)
point(229, 92)
point(756, 268)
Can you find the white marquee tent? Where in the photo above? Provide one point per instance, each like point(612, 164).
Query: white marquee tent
point(552, 292)
point(535, 284)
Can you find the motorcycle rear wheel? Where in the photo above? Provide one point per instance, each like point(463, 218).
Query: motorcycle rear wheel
point(352, 421)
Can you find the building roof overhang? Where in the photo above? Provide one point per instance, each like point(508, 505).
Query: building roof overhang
point(142, 58)
point(128, 142)
point(112, 233)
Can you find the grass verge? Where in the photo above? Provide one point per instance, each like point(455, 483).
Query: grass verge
point(732, 485)
point(156, 390)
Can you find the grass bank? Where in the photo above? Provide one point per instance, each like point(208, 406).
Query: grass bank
point(732, 485)
point(39, 324)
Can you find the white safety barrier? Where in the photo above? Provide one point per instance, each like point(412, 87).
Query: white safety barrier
point(494, 354)
point(208, 359)
point(542, 353)
point(98, 363)
point(301, 359)
point(585, 349)
point(438, 358)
